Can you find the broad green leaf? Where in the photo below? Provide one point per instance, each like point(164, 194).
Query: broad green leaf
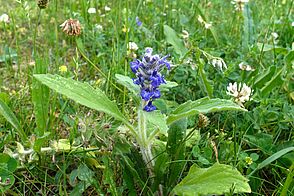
point(275, 81)
point(218, 179)
point(82, 93)
point(80, 188)
point(162, 161)
point(204, 105)
point(174, 40)
point(85, 174)
point(167, 86)
point(7, 166)
point(261, 79)
point(272, 158)
point(128, 83)
point(157, 119)
point(40, 97)
point(11, 118)
point(175, 148)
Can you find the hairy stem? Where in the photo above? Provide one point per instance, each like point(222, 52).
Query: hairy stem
point(145, 146)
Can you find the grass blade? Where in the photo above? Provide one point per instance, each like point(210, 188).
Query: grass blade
point(11, 118)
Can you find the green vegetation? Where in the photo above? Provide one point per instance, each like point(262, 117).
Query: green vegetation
point(73, 120)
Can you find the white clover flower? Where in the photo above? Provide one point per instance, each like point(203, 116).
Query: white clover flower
point(98, 27)
point(106, 8)
point(218, 63)
point(245, 67)
point(92, 10)
point(132, 46)
point(4, 18)
point(241, 93)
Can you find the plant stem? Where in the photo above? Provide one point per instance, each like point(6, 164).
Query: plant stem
point(145, 146)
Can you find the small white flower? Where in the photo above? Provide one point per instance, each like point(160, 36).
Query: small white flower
point(207, 25)
point(98, 27)
point(274, 35)
point(4, 18)
point(218, 63)
point(92, 10)
point(292, 24)
point(132, 46)
point(241, 93)
point(106, 8)
point(245, 67)
point(200, 19)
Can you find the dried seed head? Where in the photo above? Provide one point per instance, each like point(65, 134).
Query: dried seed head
point(203, 121)
point(42, 4)
point(71, 27)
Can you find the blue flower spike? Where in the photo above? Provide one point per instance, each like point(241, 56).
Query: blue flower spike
point(149, 77)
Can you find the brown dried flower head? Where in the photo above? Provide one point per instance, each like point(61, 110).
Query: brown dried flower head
point(42, 4)
point(203, 121)
point(71, 27)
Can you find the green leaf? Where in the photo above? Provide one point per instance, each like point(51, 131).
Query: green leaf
point(289, 58)
point(157, 119)
point(128, 83)
point(38, 144)
point(267, 48)
point(108, 176)
point(207, 83)
point(272, 158)
point(40, 97)
point(204, 105)
point(248, 37)
point(174, 40)
point(218, 179)
point(275, 81)
point(261, 79)
point(167, 86)
point(85, 174)
point(11, 118)
point(82, 93)
point(7, 166)
point(80, 188)
point(175, 148)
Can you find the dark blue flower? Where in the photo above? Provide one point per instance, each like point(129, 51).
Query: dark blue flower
point(149, 77)
point(139, 23)
point(135, 66)
point(149, 107)
point(145, 94)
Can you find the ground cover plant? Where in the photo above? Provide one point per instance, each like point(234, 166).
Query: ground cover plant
point(146, 97)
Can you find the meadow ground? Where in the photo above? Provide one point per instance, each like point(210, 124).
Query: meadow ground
point(79, 115)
